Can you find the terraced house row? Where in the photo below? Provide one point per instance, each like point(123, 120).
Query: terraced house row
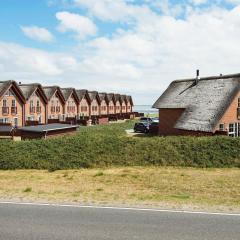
point(33, 104)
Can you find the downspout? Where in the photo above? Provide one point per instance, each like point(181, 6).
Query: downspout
point(23, 114)
point(46, 113)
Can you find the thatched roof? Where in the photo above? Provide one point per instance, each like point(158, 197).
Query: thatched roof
point(67, 92)
point(51, 90)
point(129, 99)
point(93, 95)
point(110, 97)
point(5, 85)
point(29, 89)
point(204, 102)
point(103, 96)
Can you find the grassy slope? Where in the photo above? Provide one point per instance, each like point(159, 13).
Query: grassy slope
point(165, 187)
point(109, 146)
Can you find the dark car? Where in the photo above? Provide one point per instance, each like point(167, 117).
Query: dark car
point(145, 119)
point(153, 127)
point(149, 119)
point(142, 127)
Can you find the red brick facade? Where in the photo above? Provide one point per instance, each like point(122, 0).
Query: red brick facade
point(229, 122)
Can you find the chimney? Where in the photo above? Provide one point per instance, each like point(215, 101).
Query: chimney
point(197, 77)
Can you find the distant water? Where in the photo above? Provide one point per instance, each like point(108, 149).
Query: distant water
point(144, 109)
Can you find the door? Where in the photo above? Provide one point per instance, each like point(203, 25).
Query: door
point(15, 122)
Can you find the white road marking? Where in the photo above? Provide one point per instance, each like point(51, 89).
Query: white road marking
point(122, 208)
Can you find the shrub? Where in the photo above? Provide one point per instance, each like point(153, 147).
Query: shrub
point(103, 146)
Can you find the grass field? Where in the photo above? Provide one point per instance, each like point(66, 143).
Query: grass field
point(168, 187)
point(106, 146)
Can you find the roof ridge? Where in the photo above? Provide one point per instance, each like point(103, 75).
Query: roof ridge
point(237, 75)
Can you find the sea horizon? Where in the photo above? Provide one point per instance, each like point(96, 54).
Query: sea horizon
point(144, 108)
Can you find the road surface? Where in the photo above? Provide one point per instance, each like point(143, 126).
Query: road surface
point(47, 222)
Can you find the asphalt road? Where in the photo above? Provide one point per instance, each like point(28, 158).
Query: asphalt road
point(27, 222)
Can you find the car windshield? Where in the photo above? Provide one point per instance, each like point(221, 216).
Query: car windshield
point(145, 123)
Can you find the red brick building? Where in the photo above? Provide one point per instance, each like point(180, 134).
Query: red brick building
point(56, 102)
point(95, 104)
point(103, 104)
point(84, 103)
point(12, 103)
point(36, 103)
point(129, 104)
point(201, 106)
point(71, 102)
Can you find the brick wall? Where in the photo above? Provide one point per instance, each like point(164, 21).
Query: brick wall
point(167, 121)
point(55, 107)
point(71, 107)
point(230, 116)
point(8, 113)
point(84, 107)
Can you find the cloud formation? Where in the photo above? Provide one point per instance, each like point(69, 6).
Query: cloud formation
point(80, 25)
point(37, 33)
point(157, 46)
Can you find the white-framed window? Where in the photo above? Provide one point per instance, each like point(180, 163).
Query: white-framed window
point(233, 130)
point(4, 120)
point(221, 127)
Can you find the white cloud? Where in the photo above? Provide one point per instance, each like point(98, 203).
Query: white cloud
point(142, 59)
point(78, 24)
point(37, 33)
point(198, 2)
point(17, 60)
point(117, 10)
point(236, 2)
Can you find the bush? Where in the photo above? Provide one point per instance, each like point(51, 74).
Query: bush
point(102, 146)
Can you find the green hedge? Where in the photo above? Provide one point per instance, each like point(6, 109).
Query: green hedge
point(109, 145)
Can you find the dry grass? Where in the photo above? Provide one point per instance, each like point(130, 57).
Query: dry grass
point(187, 188)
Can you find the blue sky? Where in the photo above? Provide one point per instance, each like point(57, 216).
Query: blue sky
point(134, 47)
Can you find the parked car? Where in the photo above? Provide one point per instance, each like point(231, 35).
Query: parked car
point(149, 119)
point(142, 127)
point(145, 119)
point(156, 120)
point(153, 127)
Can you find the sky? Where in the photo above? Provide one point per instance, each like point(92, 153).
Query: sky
point(132, 47)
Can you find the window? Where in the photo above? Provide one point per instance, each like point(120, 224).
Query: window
point(3, 120)
point(31, 103)
point(38, 103)
point(13, 103)
point(233, 130)
point(4, 102)
point(239, 102)
point(221, 127)
point(15, 122)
